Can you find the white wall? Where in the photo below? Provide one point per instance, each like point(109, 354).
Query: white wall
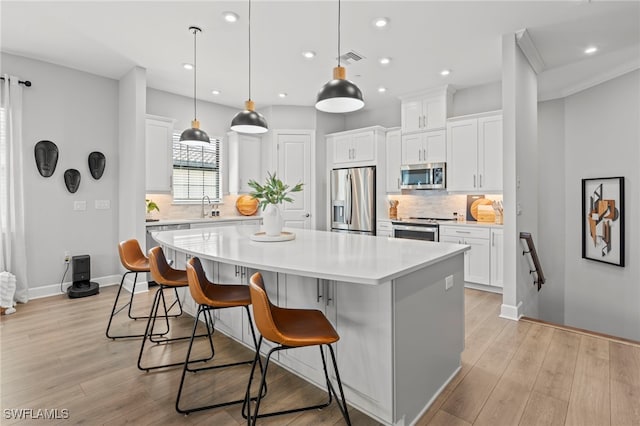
point(602, 134)
point(79, 112)
point(385, 116)
point(472, 100)
point(551, 208)
point(520, 171)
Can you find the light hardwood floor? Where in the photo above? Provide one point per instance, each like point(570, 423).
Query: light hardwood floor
point(55, 355)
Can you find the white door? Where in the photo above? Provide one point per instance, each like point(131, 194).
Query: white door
point(294, 165)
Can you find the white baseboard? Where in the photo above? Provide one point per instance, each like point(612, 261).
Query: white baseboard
point(141, 286)
point(511, 312)
point(482, 287)
point(54, 289)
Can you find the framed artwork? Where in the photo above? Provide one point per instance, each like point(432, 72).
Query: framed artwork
point(603, 220)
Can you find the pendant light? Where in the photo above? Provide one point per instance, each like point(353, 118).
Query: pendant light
point(339, 95)
point(195, 136)
point(249, 121)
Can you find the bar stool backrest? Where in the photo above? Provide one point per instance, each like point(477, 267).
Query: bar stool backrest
point(197, 281)
point(158, 265)
point(262, 307)
point(131, 255)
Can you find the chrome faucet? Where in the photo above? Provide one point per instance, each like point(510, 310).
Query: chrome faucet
point(209, 200)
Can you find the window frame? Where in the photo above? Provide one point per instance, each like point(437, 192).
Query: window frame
point(191, 164)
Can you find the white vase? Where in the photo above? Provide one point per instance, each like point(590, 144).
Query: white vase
point(272, 220)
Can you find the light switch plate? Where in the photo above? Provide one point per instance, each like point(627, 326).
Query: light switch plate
point(102, 204)
point(448, 282)
point(79, 205)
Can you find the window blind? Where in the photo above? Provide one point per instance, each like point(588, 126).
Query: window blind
point(196, 171)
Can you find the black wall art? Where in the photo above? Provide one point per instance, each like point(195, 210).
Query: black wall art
point(72, 180)
point(46, 153)
point(97, 161)
point(603, 220)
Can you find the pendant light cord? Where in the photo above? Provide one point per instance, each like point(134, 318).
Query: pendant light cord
point(249, 49)
point(195, 108)
point(339, 32)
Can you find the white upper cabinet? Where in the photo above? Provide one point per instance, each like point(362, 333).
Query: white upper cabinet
point(244, 162)
point(474, 153)
point(424, 147)
point(158, 153)
point(392, 150)
point(426, 110)
point(355, 148)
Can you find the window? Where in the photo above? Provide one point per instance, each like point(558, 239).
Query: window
point(196, 171)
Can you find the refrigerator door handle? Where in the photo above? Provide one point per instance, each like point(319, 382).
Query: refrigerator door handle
point(348, 208)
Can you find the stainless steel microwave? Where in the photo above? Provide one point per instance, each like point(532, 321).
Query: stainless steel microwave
point(424, 176)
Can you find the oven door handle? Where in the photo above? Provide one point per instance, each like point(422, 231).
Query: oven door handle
point(415, 228)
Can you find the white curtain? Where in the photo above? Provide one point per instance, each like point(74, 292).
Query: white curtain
point(13, 258)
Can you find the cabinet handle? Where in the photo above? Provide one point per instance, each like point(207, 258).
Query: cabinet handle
point(463, 232)
point(474, 181)
point(480, 178)
point(243, 271)
point(307, 215)
point(424, 154)
point(237, 271)
point(318, 295)
point(493, 239)
point(328, 288)
point(424, 121)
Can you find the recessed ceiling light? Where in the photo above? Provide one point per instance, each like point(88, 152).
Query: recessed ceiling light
point(230, 16)
point(382, 89)
point(187, 66)
point(385, 61)
point(381, 22)
point(590, 50)
point(445, 73)
point(215, 92)
point(309, 54)
point(282, 95)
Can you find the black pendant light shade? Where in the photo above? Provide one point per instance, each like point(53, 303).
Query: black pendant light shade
point(339, 95)
point(194, 135)
point(249, 121)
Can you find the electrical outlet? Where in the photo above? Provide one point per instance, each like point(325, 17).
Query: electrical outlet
point(67, 257)
point(448, 282)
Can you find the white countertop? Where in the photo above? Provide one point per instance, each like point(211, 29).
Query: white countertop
point(201, 220)
point(472, 223)
point(355, 258)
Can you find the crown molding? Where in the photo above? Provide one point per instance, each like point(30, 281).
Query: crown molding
point(528, 47)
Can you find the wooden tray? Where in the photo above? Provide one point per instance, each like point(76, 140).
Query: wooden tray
point(262, 236)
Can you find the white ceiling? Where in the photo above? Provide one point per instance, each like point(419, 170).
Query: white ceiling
point(108, 38)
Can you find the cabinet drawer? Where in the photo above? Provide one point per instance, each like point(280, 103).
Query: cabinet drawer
point(465, 232)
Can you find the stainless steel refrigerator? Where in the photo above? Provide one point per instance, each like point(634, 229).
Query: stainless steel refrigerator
point(353, 200)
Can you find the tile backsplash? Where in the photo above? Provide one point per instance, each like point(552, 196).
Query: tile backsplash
point(437, 204)
point(189, 211)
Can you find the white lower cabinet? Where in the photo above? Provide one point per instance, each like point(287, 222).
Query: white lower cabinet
point(497, 257)
point(476, 260)
point(229, 320)
point(384, 228)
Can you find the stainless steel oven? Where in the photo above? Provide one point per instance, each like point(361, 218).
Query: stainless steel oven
point(414, 231)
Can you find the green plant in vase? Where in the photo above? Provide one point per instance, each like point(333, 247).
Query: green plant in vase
point(270, 195)
point(151, 206)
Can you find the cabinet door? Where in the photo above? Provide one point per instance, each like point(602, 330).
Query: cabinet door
point(229, 320)
point(435, 146)
point(158, 154)
point(435, 112)
point(364, 147)
point(393, 153)
point(342, 149)
point(476, 262)
point(305, 293)
point(364, 320)
point(412, 149)
point(490, 153)
point(462, 155)
point(411, 116)
point(497, 257)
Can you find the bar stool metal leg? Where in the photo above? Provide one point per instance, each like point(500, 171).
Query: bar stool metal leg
point(149, 331)
point(206, 310)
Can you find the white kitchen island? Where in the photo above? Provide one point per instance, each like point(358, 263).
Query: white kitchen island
point(397, 304)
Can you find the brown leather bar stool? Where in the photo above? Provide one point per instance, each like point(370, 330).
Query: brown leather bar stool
point(289, 329)
point(167, 278)
point(210, 296)
point(135, 262)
